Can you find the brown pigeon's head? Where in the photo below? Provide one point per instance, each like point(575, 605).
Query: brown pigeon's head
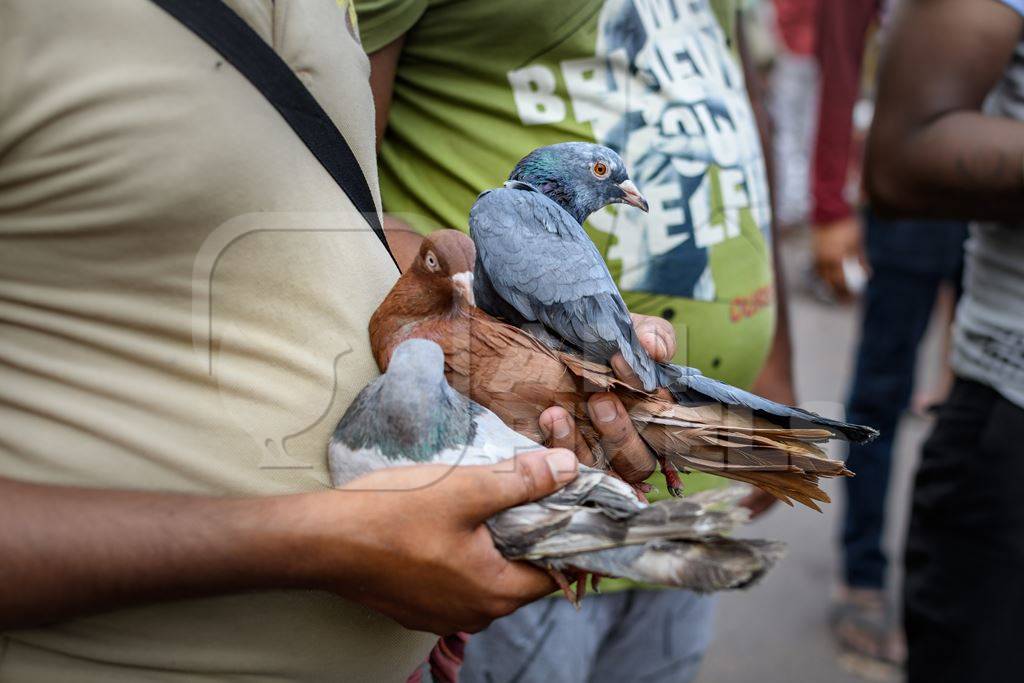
point(445, 263)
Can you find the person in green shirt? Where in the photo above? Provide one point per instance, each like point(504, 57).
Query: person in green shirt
point(466, 88)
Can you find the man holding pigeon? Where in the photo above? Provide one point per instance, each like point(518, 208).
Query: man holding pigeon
point(664, 85)
point(184, 294)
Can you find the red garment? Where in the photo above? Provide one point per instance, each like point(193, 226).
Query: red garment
point(797, 21)
point(444, 661)
point(842, 31)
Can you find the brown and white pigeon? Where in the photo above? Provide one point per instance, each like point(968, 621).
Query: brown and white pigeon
point(512, 373)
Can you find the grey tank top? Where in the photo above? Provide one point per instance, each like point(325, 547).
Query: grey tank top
point(989, 332)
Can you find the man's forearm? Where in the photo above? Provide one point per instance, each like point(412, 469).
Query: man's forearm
point(70, 551)
point(962, 165)
point(403, 240)
point(931, 151)
point(842, 28)
point(66, 552)
point(776, 378)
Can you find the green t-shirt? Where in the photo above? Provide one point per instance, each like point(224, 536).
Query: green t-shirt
point(480, 83)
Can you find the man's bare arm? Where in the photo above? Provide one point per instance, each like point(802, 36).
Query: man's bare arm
point(66, 552)
point(931, 151)
point(403, 240)
point(776, 378)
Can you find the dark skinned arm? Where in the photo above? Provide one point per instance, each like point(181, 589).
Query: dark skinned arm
point(836, 234)
point(66, 552)
point(403, 240)
point(931, 151)
point(776, 379)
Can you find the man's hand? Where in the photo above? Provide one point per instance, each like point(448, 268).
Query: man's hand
point(420, 555)
point(833, 245)
point(626, 451)
point(417, 540)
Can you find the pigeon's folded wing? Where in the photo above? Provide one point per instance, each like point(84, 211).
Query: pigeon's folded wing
point(539, 262)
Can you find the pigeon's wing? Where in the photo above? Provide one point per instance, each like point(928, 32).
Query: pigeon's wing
point(535, 263)
point(596, 511)
point(689, 387)
point(703, 566)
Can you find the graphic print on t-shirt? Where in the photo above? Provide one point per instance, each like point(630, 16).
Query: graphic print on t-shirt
point(664, 91)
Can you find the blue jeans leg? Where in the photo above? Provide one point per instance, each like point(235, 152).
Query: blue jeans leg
point(647, 636)
point(898, 305)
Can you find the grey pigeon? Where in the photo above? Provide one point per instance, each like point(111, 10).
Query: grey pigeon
point(537, 268)
point(594, 525)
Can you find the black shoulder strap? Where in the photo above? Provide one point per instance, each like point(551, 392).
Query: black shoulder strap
point(228, 34)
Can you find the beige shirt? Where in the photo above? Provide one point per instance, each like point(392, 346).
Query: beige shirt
point(184, 294)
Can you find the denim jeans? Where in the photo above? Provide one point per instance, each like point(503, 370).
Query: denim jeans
point(653, 636)
point(909, 260)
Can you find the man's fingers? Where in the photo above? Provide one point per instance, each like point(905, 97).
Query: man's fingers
point(489, 489)
point(624, 372)
point(520, 582)
point(560, 432)
point(656, 335)
point(627, 453)
point(758, 502)
point(832, 273)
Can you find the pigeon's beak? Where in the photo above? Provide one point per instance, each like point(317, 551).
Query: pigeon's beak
point(462, 283)
point(632, 196)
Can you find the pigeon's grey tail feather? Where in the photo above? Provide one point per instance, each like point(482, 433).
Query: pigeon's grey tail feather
point(689, 387)
point(705, 566)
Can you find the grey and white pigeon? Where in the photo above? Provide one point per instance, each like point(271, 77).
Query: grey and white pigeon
point(595, 524)
point(537, 268)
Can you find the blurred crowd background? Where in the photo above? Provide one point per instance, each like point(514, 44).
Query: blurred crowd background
point(870, 312)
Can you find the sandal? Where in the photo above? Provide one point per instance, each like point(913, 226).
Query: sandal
point(863, 626)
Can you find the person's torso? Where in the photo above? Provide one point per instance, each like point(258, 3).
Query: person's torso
point(481, 84)
point(989, 333)
point(184, 294)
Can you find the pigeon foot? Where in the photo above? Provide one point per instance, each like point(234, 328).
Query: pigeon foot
point(573, 596)
point(672, 480)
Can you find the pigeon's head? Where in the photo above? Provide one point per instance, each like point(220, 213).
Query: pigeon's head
point(581, 177)
point(410, 412)
point(412, 389)
point(445, 265)
point(420, 360)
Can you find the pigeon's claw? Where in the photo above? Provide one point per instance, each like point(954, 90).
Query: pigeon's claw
point(581, 588)
point(563, 582)
point(672, 480)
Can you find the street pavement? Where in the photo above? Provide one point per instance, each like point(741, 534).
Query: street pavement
point(777, 632)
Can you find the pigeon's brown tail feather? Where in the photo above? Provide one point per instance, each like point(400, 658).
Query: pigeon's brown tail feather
point(704, 566)
point(786, 465)
point(728, 441)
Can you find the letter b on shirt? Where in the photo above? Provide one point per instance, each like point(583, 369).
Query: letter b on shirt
point(533, 88)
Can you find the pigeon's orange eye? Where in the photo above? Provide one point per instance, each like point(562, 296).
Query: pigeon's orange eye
point(600, 169)
point(431, 261)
